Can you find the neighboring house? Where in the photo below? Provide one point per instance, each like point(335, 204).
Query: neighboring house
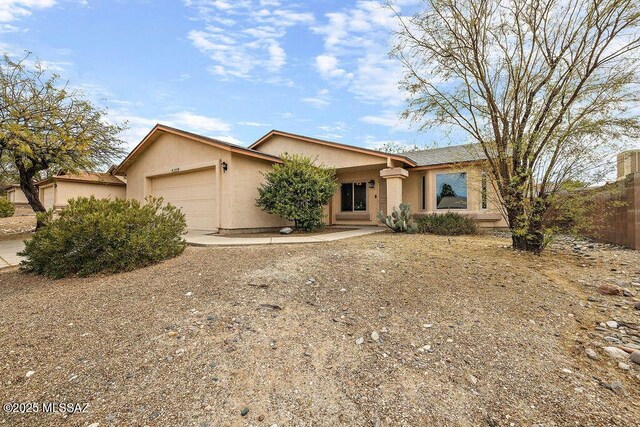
point(215, 183)
point(55, 192)
point(18, 199)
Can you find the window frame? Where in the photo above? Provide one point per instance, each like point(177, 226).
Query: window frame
point(435, 185)
point(353, 196)
point(423, 192)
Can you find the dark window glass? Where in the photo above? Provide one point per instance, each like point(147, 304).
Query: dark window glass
point(423, 192)
point(360, 196)
point(451, 190)
point(484, 190)
point(347, 197)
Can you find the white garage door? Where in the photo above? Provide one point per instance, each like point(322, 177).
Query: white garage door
point(194, 193)
point(47, 197)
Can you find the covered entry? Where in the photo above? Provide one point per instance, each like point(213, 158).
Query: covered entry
point(194, 193)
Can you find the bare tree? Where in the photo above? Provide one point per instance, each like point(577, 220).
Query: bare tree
point(547, 87)
point(44, 127)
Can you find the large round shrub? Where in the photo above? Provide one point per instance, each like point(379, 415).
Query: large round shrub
point(6, 208)
point(92, 236)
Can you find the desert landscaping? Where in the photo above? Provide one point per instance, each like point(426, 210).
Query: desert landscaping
point(382, 330)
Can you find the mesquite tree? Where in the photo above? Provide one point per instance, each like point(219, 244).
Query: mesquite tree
point(547, 87)
point(44, 126)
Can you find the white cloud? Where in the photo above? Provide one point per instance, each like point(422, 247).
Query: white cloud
point(388, 118)
point(254, 124)
point(321, 100)
point(243, 38)
point(197, 122)
point(11, 10)
point(356, 46)
point(139, 126)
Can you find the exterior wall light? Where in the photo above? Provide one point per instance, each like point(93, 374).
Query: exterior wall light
point(372, 184)
point(225, 166)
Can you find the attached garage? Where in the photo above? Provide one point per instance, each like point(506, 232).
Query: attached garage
point(48, 196)
point(193, 192)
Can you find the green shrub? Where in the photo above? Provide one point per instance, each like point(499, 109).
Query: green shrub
point(399, 221)
point(298, 191)
point(447, 224)
point(6, 208)
point(92, 236)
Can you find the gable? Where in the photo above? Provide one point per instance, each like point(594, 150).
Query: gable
point(326, 154)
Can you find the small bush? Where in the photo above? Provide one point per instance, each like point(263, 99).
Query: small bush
point(6, 208)
point(109, 236)
point(399, 221)
point(447, 224)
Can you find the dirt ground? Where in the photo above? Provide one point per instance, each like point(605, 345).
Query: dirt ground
point(16, 226)
point(469, 333)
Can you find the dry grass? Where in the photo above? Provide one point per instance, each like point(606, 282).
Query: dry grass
point(254, 334)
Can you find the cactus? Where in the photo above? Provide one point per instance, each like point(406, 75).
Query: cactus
point(399, 221)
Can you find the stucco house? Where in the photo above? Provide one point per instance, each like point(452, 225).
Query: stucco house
point(18, 199)
point(55, 192)
point(215, 183)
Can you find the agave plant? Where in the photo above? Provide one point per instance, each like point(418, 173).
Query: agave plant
point(399, 221)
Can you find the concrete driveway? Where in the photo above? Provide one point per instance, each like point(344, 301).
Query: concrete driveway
point(9, 252)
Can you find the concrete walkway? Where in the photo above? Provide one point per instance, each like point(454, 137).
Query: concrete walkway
point(205, 238)
point(9, 252)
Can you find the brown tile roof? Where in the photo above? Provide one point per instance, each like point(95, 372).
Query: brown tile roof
point(86, 177)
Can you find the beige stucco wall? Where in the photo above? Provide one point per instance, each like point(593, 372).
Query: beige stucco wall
point(412, 194)
point(245, 178)
point(16, 196)
point(66, 190)
point(326, 155)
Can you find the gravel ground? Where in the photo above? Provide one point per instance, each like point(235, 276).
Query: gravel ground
point(16, 226)
point(467, 333)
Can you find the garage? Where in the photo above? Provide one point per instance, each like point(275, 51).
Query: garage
point(48, 197)
point(193, 192)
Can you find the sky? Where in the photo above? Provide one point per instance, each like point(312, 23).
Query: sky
point(228, 69)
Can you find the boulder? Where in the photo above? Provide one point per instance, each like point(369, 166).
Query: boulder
point(616, 353)
point(286, 230)
point(608, 289)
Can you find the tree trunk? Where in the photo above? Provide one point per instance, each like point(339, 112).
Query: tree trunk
point(31, 193)
point(527, 228)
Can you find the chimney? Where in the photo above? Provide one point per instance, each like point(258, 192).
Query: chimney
point(628, 163)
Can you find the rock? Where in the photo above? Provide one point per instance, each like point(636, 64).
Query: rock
point(172, 334)
point(375, 336)
point(472, 379)
point(261, 418)
point(613, 340)
point(607, 289)
point(635, 357)
point(244, 411)
point(30, 373)
point(591, 353)
point(286, 230)
point(93, 425)
point(614, 386)
point(188, 294)
point(612, 324)
point(623, 366)
point(616, 353)
point(567, 371)
point(428, 325)
point(626, 292)
point(637, 305)
point(360, 340)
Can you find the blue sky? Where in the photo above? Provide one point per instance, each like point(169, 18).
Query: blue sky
point(232, 69)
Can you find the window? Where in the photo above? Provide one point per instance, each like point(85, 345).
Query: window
point(423, 192)
point(484, 190)
point(451, 190)
point(353, 196)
